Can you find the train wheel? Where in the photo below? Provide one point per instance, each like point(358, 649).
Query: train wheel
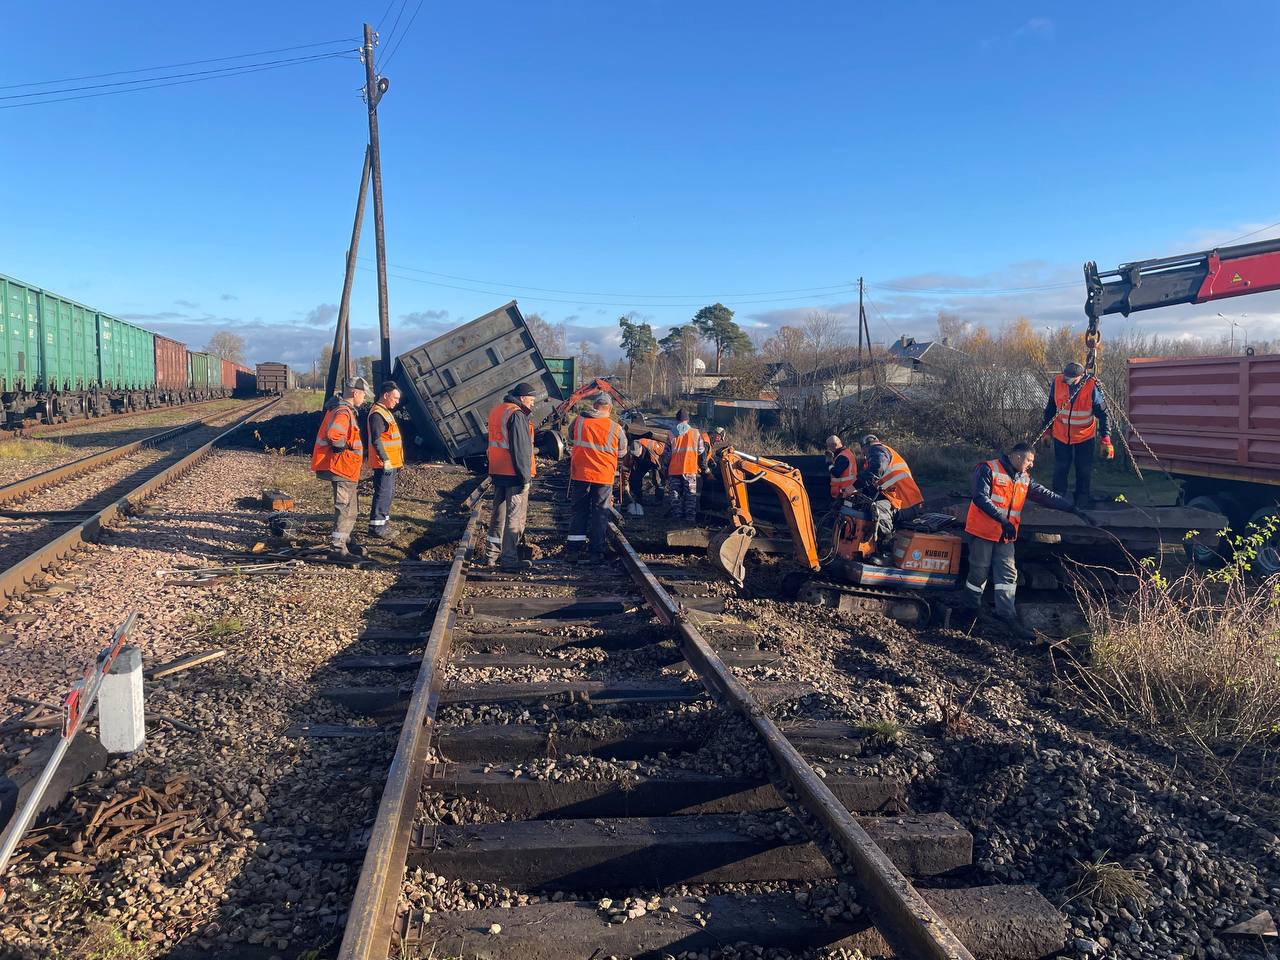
point(1268, 558)
point(1208, 548)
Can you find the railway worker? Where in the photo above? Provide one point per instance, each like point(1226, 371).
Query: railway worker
point(512, 468)
point(338, 455)
point(886, 480)
point(1077, 412)
point(842, 464)
point(645, 459)
point(706, 461)
point(598, 443)
point(998, 490)
point(682, 463)
point(386, 456)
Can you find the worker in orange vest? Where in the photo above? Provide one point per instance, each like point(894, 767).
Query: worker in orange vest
point(337, 456)
point(512, 467)
point(598, 443)
point(682, 462)
point(999, 489)
point(643, 460)
point(1077, 413)
point(886, 480)
point(842, 464)
point(386, 456)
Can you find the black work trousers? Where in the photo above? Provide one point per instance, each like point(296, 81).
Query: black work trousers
point(589, 520)
point(1080, 454)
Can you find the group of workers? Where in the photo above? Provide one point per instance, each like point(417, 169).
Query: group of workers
point(341, 457)
point(999, 488)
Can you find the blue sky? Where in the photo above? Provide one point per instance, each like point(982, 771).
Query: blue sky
point(647, 158)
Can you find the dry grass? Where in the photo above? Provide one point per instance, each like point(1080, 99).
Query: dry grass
point(1197, 657)
point(1107, 883)
point(27, 450)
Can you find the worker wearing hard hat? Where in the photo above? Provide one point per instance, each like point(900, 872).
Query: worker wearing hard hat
point(1076, 413)
point(885, 479)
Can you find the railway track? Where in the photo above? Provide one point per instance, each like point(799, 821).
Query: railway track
point(579, 765)
point(46, 517)
point(35, 429)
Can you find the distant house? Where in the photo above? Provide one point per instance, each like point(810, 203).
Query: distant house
point(923, 357)
point(840, 381)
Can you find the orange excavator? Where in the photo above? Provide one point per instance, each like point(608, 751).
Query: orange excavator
point(627, 410)
point(850, 574)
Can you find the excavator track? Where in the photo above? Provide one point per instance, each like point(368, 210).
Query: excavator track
point(905, 607)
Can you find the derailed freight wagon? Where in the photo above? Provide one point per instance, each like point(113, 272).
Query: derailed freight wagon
point(450, 384)
point(274, 378)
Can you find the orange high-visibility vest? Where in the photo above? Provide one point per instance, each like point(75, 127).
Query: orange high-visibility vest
point(391, 441)
point(338, 426)
point(845, 468)
point(655, 448)
point(598, 442)
point(500, 462)
point(897, 484)
point(684, 453)
point(1074, 422)
point(1008, 493)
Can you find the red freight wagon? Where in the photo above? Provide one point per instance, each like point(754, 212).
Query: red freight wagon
point(171, 365)
point(1214, 424)
point(228, 375)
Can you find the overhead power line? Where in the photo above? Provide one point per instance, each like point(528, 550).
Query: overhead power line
point(407, 27)
point(150, 83)
point(392, 32)
point(174, 66)
point(973, 291)
point(1251, 233)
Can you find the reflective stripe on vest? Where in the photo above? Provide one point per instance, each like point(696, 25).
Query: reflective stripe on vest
point(684, 453)
point(897, 484)
point(499, 451)
point(325, 458)
point(390, 438)
point(842, 483)
point(598, 442)
point(1009, 494)
point(1074, 422)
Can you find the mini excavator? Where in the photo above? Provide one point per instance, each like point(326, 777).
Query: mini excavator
point(850, 575)
point(548, 439)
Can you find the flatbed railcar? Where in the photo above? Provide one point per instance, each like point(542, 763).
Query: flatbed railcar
point(60, 359)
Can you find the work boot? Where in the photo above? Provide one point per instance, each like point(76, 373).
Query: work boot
point(573, 552)
point(515, 565)
point(1016, 627)
point(355, 549)
point(382, 532)
point(595, 556)
point(339, 550)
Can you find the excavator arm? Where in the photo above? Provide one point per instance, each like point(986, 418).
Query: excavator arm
point(728, 548)
point(584, 392)
point(1194, 278)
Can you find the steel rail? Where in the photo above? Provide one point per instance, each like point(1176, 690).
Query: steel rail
point(38, 429)
point(18, 577)
point(903, 917)
point(373, 909)
point(55, 475)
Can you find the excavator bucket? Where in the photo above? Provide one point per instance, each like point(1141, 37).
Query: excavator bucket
point(728, 551)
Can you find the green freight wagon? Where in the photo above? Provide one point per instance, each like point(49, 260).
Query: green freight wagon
point(19, 336)
point(205, 373)
point(565, 372)
point(126, 355)
point(69, 354)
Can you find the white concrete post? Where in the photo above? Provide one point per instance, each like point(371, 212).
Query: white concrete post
point(121, 726)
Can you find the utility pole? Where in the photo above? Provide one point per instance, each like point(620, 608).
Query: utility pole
point(860, 315)
point(340, 360)
point(375, 87)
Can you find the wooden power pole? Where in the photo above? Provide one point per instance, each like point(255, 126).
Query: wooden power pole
point(340, 359)
point(375, 87)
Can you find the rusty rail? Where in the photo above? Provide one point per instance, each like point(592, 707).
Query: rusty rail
point(17, 578)
point(903, 917)
point(37, 430)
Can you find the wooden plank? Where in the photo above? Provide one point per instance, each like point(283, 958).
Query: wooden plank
point(603, 854)
point(184, 663)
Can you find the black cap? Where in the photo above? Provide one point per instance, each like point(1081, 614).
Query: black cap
point(1073, 369)
point(682, 415)
point(523, 390)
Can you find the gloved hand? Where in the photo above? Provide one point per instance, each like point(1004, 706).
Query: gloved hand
point(1007, 531)
point(1108, 450)
point(831, 457)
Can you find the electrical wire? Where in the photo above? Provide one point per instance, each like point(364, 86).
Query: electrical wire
point(1251, 233)
point(971, 291)
point(392, 32)
point(407, 27)
point(239, 71)
point(172, 76)
point(383, 18)
point(173, 66)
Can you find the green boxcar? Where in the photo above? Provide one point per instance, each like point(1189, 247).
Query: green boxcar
point(200, 366)
point(126, 355)
point(20, 351)
point(69, 356)
point(564, 370)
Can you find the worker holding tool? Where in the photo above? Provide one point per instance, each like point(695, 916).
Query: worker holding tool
point(337, 456)
point(681, 463)
point(386, 456)
point(1077, 412)
point(842, 464)
point(511, 470)
point(645, 460)
point(998, 490)
point(885, 479)
point(706, 460)
point(598, 443)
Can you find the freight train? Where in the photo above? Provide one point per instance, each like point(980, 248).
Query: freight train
point(60, 359)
